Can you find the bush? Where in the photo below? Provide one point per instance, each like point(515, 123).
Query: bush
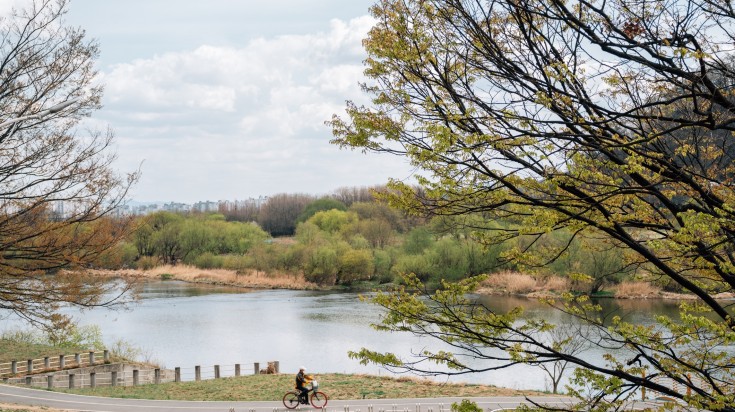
point(237, 263)
point(322, 266)
point(146, 262)
point(355, 265)
point(466, 406)
point(208, 260)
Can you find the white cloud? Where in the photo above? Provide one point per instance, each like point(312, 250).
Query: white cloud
point(237, 122)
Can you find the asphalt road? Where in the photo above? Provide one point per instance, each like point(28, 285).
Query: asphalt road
point(39, 397)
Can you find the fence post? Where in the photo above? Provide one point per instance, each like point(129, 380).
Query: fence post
point(216, 371)
point(29, 366)
point(71, 381)
point(91, 357)
point(28, 380)
point(106, 356)
point(78, 359)
point(62, 362)
point(50, 381)
point(13, 367)
point(197, 373)
point(177, 374)
point(256, 368)
point(46, 362)
point(135, 377)
point(113, 378)
point(277, 365)
point(237, 369)
point(156, 376)
point(92, 380)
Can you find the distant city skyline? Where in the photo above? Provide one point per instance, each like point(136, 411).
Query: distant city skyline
point(227, 99)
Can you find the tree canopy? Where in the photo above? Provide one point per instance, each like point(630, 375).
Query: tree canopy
point(57, 186)
point(610, 120)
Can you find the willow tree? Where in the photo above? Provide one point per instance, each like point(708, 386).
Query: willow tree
point(57, 187)
point(606, 119)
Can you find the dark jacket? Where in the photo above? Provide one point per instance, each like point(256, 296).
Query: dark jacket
point(300, 380)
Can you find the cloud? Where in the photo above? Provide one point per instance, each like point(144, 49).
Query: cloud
point(223, 120)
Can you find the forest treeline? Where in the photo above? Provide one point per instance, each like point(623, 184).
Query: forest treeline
point(349, 237)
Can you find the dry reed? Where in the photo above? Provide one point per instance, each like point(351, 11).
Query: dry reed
point(636, 290)
point(510, 282)
point(248, 279)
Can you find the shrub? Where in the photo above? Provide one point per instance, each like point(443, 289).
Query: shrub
point(511, 282)
point(146, 262)
point(630, 289)
point(208, 260)
point(355, 265)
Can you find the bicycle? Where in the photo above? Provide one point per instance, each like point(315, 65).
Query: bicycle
point(318, 399)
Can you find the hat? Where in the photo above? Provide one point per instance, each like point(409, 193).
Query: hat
point(302, 368)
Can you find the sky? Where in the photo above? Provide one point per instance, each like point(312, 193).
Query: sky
point(227, 99)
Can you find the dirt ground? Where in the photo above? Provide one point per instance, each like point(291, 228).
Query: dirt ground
point(11, 407)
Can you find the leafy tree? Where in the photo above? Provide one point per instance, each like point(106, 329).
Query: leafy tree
point(322, 204)
point(378, 232)
point(322, 265)
point(598, 118)
point(332, 221)
point(56, 183)
point(417, 240)
point(355, 265)
point(380, 211)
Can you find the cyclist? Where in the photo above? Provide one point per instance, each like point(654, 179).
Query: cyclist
point(302, 379)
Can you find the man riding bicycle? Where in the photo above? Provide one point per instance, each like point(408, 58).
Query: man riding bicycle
point(302, 379)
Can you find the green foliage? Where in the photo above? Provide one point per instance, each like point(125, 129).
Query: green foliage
point(332, 221)
point(465, 406)
point(322, 204)
point(417, 240)
point(322, 266)
point(596, 171)
point(355, 265)
point(383, 262)
point(66, 335)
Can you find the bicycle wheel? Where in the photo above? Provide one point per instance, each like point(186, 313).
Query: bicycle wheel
point(318, 399)
point(291, 400)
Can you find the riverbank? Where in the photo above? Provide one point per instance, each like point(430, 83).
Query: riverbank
point(252, 279)
point(503, 283)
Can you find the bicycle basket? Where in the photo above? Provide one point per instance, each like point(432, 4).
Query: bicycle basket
point(314, 385)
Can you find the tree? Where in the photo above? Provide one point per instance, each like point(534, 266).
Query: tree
point(599, 118)
point(57, 186)
point(279, 213)
point(322, 204)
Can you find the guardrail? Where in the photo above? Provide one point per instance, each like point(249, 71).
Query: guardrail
point(132, 375)
point(53, 363)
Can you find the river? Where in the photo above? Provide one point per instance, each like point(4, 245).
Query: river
point(182, 324)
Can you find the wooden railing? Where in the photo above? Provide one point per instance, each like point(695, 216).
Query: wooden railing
point(133, 375)
point(53, 363)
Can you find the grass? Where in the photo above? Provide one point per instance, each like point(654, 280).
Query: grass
point(272, 388)
point(11, 350)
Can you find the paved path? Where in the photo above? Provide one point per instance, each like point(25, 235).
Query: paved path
point(39, 397)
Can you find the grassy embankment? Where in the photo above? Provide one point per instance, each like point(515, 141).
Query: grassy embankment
point(272, 388)
point(267, 387)
point(20, 351)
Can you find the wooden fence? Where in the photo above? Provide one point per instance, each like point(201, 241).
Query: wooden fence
point(53, 363)
point(130, 375)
